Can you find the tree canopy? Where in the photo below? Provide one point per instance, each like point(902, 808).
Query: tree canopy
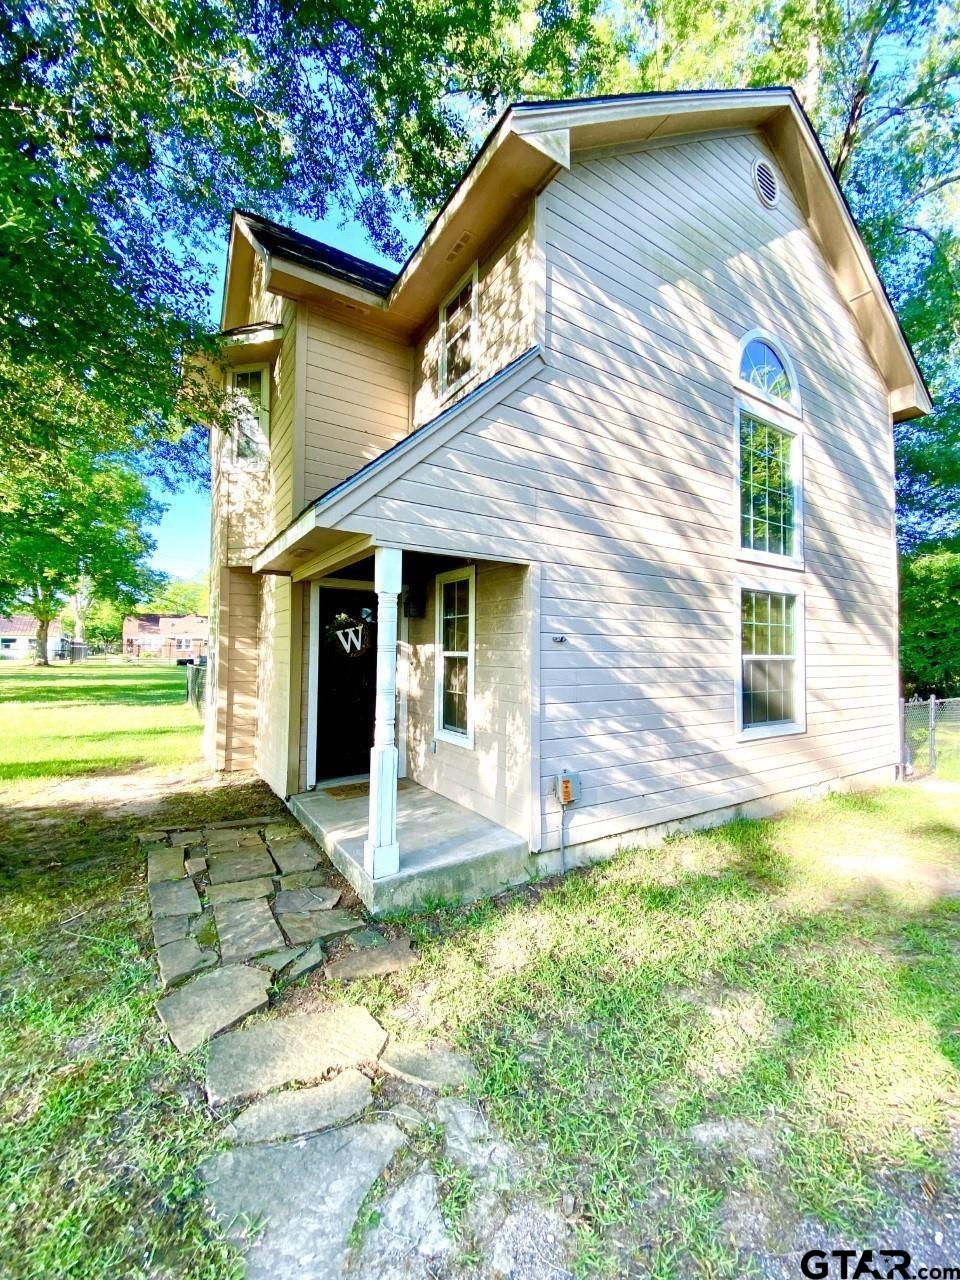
point(87, 535)
point(930, 621)
point(180, 595)
point(129, 130)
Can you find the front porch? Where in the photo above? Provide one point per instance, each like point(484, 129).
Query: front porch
point(449, 852)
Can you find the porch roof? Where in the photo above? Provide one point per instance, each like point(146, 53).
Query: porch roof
point(331, 517)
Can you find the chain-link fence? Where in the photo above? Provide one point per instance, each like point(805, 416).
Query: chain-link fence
point(196, 685)
point(931, 737)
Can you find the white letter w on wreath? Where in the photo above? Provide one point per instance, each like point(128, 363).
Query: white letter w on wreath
point(351, 638)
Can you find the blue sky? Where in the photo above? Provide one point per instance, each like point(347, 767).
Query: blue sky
point(183, 535)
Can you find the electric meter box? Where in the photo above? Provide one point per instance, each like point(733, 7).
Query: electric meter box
point(567, 787)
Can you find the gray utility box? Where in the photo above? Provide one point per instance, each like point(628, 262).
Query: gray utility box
point(566, 786)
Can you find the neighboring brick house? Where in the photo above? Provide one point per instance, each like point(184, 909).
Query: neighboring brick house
point(152, 635)
point(18, 637)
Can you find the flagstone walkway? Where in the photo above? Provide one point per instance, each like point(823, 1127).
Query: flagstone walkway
point(345, 1155)
point(238, 907)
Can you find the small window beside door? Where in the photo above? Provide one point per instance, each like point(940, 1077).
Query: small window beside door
point(455, 656)
point(250, 427)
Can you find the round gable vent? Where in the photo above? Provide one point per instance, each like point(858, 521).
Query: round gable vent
point(766, 182)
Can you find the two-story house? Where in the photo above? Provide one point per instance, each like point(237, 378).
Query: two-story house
point(601, 481)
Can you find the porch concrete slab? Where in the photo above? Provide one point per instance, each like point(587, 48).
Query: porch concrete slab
point(446, 850)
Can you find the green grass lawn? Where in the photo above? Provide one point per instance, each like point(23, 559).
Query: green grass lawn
point(101, 1121)
point(64, 721)
point(797, 979)
point(800, 977)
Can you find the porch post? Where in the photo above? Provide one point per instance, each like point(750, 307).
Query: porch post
point(381, 853)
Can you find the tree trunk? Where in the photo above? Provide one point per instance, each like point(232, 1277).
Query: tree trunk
point(43, 636)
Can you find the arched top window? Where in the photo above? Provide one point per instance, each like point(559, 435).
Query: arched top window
point(767, 371)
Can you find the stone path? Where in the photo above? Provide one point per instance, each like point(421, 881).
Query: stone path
point(346, 1156)
point(238, 907)
point(345, 1178)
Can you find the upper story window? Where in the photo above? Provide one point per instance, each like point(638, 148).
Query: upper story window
point(458, 339)
point(250, 430)
point(765, 370)
point(770, 452)
point(768, 498)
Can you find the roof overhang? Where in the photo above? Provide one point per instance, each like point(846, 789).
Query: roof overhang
point(532, 142)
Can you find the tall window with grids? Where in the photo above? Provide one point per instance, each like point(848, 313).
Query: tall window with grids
point(771, 693)
point(768, 502)
point(455, 627)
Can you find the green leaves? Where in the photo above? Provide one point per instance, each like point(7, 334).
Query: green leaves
point(930, 621)
point(87, 523)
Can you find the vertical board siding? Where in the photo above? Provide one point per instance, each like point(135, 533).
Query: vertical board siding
point(234, 674)
point(615, 470)
point(274, 648)
point(357, 399)
point(283, 459)
point(493, 778)
point(505, 319)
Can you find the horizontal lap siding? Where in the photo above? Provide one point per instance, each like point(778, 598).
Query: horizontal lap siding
point(615, 468)
point(357, 400)
point(658, 263)
point(494, 778)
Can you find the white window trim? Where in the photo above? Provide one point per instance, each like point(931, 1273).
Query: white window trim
point(788, 728)
point(470, 276)
point(250, 464)
point(469, 574)
point(794, 428)
point(793, 406)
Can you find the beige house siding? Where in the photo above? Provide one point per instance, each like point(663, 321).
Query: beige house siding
point(357, 398)
point(493, 778)
point(283, 445)
point(232, 670)
point(616, 470)
point(506, 307)
point(278, 688)
point(265, 308)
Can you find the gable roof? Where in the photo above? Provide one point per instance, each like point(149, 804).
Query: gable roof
point(530, 143)
point(294, 246)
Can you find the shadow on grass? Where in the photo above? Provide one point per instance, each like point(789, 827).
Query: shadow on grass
point(635, 1006)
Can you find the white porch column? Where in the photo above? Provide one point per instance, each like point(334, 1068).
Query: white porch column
point(381, 853)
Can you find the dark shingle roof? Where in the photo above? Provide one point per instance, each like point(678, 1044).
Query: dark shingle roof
point(296, 247)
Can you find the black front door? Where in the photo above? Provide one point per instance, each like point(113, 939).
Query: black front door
point(347, 682)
